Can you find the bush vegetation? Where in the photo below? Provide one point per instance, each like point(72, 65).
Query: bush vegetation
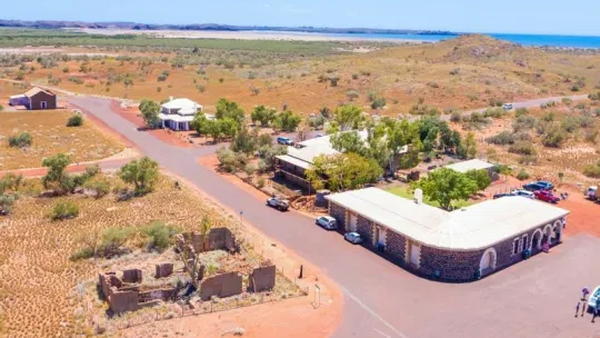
point(22, 140)
point(64, 210)
point(75, 121)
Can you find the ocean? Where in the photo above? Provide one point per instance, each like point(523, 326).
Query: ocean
point(572, 41)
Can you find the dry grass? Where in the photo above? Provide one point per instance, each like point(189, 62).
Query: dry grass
point(50, 136)
point(39, 287)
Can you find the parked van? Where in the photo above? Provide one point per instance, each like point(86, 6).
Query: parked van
point(592, 193)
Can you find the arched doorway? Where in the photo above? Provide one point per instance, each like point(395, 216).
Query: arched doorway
point(547, 236)
point(487, 264)
point(536, 240)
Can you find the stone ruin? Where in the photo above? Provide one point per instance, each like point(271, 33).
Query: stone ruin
point(128, 294)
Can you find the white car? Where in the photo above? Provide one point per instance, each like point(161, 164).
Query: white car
point(592, 193)
point(507, 106)
point(353, 237)
point(594, 297)
point(523, 193)
point(326, 222)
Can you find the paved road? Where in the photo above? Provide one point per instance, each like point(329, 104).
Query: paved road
point(381, 299)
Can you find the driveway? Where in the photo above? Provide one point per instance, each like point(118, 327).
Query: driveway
point(534, 298)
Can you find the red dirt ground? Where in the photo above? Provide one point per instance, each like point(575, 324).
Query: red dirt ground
point(165, 135)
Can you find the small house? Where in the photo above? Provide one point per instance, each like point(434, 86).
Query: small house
point(177, 114)
point(35, 99)
point(474, 164)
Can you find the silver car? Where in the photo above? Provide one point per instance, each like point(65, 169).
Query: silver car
point(353, 237)
point(326, 222)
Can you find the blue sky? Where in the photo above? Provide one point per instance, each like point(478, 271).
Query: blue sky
point(503, 16)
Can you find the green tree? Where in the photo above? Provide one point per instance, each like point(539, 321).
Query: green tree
point(55, 176)
point(348, 142)
point(470, 146)
point(401, 134)
point(75, 121)
point(343, 171)
point(244, 141)
point(481, 177)
point(229, 109)
point(150, 110)
point(446, 185)
point(348, 117)
point(286, 121)
point(143, 174)
point(263, 115)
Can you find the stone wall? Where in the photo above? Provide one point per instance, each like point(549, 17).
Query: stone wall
point(365, 228)
point(163, 270)
point(123, 301)
point(339, 213)
point(395, 246)
point(217, 239)
point(440, 264)
point(225, 285)
point(132, 276)
point(262, 279)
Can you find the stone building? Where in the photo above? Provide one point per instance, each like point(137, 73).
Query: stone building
point(458, 246)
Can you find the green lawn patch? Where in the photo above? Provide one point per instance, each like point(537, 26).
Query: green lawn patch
point(404, 192)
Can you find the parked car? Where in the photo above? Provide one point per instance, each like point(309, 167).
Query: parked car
point(523, 193)
point(353, 237)
point(503, 195)
point(278, 203)
point(507, 106)
point(326, 222)
point(546, 196)
point(592, 193)
point(285, 141)
point(533, 186)
point(594, 296)
point(547, 185)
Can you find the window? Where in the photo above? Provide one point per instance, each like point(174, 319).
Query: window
point(525, 242)
point(515, 246)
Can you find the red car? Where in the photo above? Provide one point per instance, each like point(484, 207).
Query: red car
point(546, 196)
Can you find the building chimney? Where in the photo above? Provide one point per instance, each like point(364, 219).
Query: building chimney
point(419, 196)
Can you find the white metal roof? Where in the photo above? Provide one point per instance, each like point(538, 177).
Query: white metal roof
point(465, 166)
point(476, 227)
point(326, 140)
point(294, 161)
point(186, 106)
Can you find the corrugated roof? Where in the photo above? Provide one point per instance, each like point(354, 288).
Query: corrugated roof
point(476, 227)
point(294, 161)
point(465, 166)
point(187, 106)
point(36, 90)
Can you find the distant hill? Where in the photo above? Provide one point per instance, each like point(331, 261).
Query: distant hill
point(43, 24)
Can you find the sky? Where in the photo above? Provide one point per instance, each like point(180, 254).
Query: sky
point(574, 17)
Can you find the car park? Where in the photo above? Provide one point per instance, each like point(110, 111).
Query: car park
point(326, 222)
point(278, 203)
point(546, 196)
point(523, 193)
point(285, 141)
point(353, 237)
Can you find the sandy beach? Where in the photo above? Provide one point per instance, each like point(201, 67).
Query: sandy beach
point(243, 35)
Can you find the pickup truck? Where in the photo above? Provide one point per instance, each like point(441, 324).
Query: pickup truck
point(278, 203)
point(546, 196)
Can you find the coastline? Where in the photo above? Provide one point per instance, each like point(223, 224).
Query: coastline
point(248, 35)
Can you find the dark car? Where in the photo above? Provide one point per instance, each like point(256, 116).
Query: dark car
point(534, 186)
point(547, 185)
point(503, 195)
point(285, 141)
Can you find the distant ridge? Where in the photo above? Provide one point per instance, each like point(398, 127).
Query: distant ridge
point(48, 24)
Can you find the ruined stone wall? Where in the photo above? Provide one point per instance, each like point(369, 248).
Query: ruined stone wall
point(225, 285)
point(262, 279)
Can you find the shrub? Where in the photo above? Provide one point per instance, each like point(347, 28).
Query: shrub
point(524, 122)
point(575, 88)
point(554, 137)
point(20, 141)
point(592, 170)
point(260, 183)
point(594, 96)
point(502, 138)
point(75, 121)
point(250, 169)
point(354, 76)
point(227, 160)
point(159, 235)
point(523, 175)
point(455, 71)
point(570, 124)
point(528, 159)
point(64, 210)
point(101, 188)
point(334, 81)
point(521, 112)
point(161, 78)
point(83, 253)
point(200, 88)
point(494, 113)
point(352, 95)
point(455, 117)
point(378, 102)
point(112, 241)
point(522, 148)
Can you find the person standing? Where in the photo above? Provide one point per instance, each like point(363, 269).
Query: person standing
point(585, 292)
point(577, 310)
point(583, 309)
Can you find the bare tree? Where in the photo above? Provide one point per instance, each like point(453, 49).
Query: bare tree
point(190, 259)
point(303, 132)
